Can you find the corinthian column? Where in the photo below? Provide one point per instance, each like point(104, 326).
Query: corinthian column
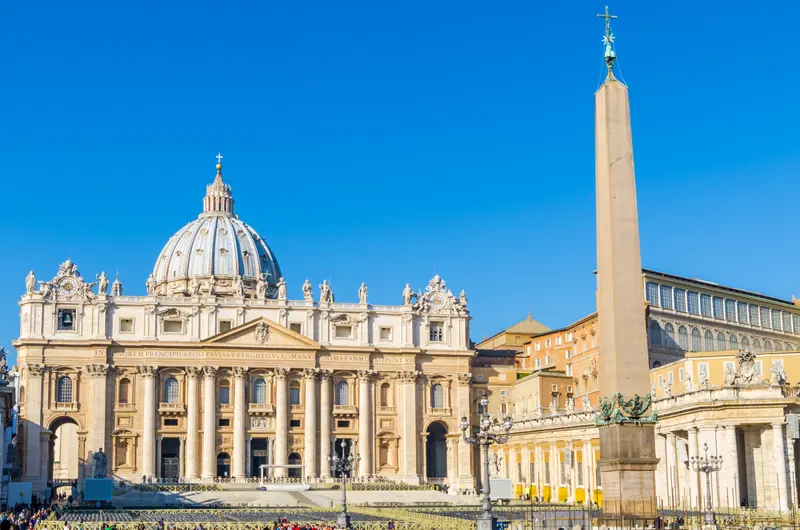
point(408, 417)
point(239, 423)
point(325, 415)
point(779, 461)
point(98, 373)
point(365, 422)
point(209, 422)
point(310, 438)
point(281, 422)
point(33, 426)
point(148, 374)
point(192, 429)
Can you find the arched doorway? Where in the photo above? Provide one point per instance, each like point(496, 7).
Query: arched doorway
point(436, 451)
point(65, 457)
point(170, 458)
point(223, 465)
point(295, 459)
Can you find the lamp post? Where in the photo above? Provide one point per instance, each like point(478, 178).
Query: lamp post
point(344, 466)
point(707, 465)
point(490, 431)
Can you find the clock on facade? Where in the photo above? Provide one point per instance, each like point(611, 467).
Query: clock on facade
point(437, 300)
point(68, 286)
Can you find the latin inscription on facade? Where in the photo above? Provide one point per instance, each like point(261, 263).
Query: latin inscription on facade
point(211, 355)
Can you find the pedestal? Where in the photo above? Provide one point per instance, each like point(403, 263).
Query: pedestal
point(486, 523)
point(343, 520)
point(627, 471)
point(98, 489)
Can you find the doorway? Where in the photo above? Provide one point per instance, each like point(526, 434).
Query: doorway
point(437, 451)
point(223, 465)
point(170, 458)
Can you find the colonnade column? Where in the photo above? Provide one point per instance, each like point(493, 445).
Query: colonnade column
point(408, 380)
point(694, 491)
point(571, 473)
point(310, 429)
point(779, 461)
point(98, 373)
point(239, 422)
point(673, 492)
point(281, 422)
point(466, 476)
point(365, 422)
point(325, 415)
point(192, 429)
point(731, 467)
point(148, 374)
point(586, 448)
point(33, 427)
point(209, 422)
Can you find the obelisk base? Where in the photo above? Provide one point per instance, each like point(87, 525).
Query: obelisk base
point(627, 472)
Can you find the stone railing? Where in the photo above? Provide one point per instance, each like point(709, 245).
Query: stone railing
point(549, 421)
point(69, 406)
point(261, 408)
point(171, 407)
point(727, 393)
point(387, 410)
point(345, 410)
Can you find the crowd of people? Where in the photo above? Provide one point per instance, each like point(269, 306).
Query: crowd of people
point(24, 516)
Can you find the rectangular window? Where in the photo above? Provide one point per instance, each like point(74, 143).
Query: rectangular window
point(563, 471)
point(547, 343)
point(436, 332)
point(580, 473)
point(569, 354)
point(705, 305)
point(170, 422)
point(702, 371)
point(754, 319)
point(520, 476)
point(680, 374)
point(569, 369)
point(66, 320)
point(546, 472)
point(537, 346)
point(719, 308)
point(669, 378)
point(569, 337)
point(758, 368)
point(386, 333)
point(294, 395)
point(680, 300)
point(344, 332)
point(776, 319)
point(583, 343)
point(126, 325)
point(225, 395)
point(652, 293)
point(342, 424)
point(294, 423)
point(558, 341)
point(538, 363)
point(173, 326)
point(224, 422)
point(546, 360)
point(694, 303)
point(777, 364)
point(741, 311)
point(796, 322)
point(765, 317)
point(787, 322)
point(225, 325)
point(666, 297)
point(660, 382)
point(297, 327)
point(532, 470)
point(730, 310)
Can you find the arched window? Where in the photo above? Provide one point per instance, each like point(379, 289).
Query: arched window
point(778, 346)
point(64, 389)
point(757, 346)
point(733, 342)
point(124, 390)
point(342, 393)
point(721, 345)
point(683, 338)
point(259, 391)
point(745, 344)
point(224, 392)
point(669, 331)
point(709, 341)
point(697, 344)
point(437, 396)
point(294, 393)
point(768, 345)
point(22, 394)
point(655, 333)
point(171, 390)
point(385, 389)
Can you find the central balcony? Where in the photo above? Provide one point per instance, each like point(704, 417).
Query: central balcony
point(345, 411)
point(261, 409)
point(66, 406)
point(171, 408)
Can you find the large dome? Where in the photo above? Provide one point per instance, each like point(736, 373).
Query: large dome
point(213, 252)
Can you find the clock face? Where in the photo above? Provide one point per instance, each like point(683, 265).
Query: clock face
point(68, 286)
point(437, 300)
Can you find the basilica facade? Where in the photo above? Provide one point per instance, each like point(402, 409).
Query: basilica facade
point(215, 372)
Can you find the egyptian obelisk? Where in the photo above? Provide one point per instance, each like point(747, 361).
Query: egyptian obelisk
point(626, 423)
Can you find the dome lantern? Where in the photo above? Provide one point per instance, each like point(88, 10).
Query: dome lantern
point(218, 199)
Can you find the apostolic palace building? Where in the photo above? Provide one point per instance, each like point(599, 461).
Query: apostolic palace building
point(216, 370)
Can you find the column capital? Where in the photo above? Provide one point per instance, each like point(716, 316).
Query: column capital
point(281, 373)
point(778, 424)
point(408, 377)
point(364, 376)
point(97, 370)
point(671, 435)
point(310, 374)
point(325, 375)
point(210, 372)
point(193, 372)
point(147, 371)
point(36, 370)
point(239, 372)
point(464, 378)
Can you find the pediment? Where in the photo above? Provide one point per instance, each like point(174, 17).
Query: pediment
point(263, 332)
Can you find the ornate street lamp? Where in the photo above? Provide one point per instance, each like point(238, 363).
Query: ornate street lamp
point(343, 466)
point(707, 464)
point(490, 431)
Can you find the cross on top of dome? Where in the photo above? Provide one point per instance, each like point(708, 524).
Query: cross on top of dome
point(218, 199)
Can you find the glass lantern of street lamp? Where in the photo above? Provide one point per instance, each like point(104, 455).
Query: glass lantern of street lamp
point(464, 423)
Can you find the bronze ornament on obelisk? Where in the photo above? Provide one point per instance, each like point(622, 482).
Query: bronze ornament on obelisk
point(626, 419)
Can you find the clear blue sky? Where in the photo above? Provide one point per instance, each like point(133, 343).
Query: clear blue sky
point(383, 142)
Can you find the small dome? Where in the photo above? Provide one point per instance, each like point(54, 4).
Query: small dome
point(217, 244)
